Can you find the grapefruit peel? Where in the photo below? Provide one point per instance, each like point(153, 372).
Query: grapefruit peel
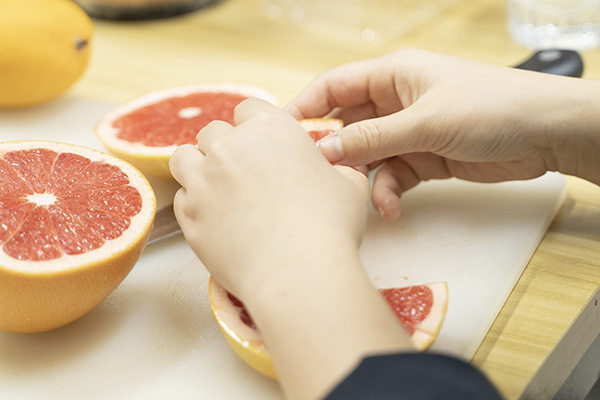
point(245, 341)
point(37, 296)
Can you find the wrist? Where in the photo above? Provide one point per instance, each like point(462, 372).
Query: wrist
point(574, 133)
point(321, 320)
point(294, 268)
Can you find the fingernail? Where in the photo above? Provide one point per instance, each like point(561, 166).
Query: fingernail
point(331, 147)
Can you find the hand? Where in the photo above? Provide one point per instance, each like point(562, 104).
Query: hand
point(255, 195)
point(429, 116)
point(277, 225)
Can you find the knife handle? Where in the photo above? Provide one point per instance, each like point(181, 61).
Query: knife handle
point(557, 62)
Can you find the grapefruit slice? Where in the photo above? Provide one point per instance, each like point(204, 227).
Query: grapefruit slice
point(146, 130)
point(318, 128)
point(73, 222)
point(239, 330)
point(421, 309)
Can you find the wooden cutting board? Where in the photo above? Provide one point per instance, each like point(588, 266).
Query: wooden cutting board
point(154, 337)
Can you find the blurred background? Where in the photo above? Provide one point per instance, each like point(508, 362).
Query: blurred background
point(215, 41)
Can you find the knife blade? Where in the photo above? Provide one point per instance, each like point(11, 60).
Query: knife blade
point(165, 225)
point(557, 62)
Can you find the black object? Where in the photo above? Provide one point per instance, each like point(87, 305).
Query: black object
point(556, 62)
point(155, 10)
point(165, 225)
point(410, 376)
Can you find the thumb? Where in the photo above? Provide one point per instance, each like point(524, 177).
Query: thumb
point(374, 139)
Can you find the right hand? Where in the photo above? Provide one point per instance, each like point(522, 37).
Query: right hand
point(430, 116)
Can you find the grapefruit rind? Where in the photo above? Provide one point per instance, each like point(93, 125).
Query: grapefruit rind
point(427, 330)
point(245, 341)
point(155, 160)
point(40, 296)
point(249, 346)
point(312, 124)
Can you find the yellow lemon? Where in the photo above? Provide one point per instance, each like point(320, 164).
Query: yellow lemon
point(44, 49)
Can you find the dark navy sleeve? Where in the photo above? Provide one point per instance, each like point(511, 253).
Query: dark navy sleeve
point(414, 376)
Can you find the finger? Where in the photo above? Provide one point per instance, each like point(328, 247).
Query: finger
point(357, 177)
point(255, 108)
point(345, 86)
point(210, 132)
point(179, 202)
point(389, 183)
point(363, 169)
point(184, 163)
point(354, 114)
point(400, 174)
point(374, 139)
point(183, 212)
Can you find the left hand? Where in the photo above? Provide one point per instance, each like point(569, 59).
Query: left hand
point(255, 195)
point(279, 227)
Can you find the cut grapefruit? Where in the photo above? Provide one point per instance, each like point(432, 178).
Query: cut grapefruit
point(146, 130)
point(318, 128)
point(73, 222)
point(421, 310)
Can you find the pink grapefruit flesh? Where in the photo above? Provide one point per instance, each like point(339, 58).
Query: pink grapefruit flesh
point(73, 222)
point(61, 203)
point(176, 120)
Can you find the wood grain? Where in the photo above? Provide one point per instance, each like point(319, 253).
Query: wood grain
point(236, 41)
point(545, 304)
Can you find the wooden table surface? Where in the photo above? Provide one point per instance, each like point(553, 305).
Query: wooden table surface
point(551, 316)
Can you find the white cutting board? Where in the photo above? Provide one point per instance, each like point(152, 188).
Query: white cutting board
point(154, 337)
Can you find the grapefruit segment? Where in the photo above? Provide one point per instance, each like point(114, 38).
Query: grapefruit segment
point(73, 222)
point(318, 128)
point(146, 130)
point(421, 310)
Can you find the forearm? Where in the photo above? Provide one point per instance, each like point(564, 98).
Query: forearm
point(320, 318)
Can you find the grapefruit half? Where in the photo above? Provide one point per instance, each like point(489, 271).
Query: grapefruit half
point(421, 310)
point(146, 130)
point(73, 222)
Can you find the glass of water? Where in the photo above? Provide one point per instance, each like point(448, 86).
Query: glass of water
point(546, 24)
point(369, 21)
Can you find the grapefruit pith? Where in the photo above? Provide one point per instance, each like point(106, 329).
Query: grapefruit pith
point(421, 310)
point(146, 130)
point(73, 222)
